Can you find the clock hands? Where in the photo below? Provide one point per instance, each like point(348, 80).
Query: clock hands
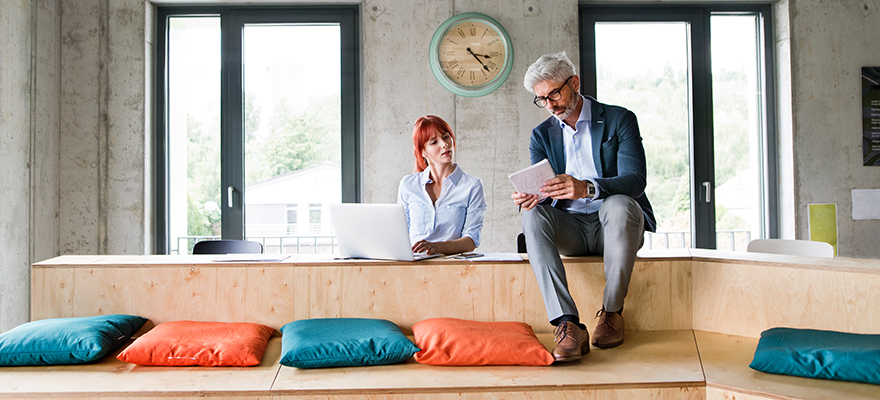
point(477, 56)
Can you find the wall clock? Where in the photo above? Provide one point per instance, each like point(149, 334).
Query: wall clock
point(471, 55)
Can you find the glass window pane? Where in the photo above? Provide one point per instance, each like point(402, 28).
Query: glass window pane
point(315, 216)
point(644, 67)
point(193, 130)
point(738, 123)
point(292, 126)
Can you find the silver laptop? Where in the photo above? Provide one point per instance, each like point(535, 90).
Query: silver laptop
point(375, 231)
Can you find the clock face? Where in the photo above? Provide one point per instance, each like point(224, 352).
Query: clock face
point(471, 55)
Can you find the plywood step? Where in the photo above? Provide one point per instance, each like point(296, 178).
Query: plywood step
point(646, 364)
point(726, 360)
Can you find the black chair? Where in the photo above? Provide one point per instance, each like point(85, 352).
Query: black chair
point(521, 243)
point(227, 247)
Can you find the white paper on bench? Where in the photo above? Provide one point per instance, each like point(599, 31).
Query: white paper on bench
point(251, 257)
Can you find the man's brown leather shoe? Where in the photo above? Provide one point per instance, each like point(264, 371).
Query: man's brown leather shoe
point(609, 330)
point(572, 342)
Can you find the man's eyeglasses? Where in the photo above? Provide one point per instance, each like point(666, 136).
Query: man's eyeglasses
point(541, 101)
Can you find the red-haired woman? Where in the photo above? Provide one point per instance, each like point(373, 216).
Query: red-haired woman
point(444, 206)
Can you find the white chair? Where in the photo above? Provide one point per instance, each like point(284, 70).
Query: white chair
point(791, 247)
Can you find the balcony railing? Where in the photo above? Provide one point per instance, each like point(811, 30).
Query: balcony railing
point(271, 244)
point(730, 240)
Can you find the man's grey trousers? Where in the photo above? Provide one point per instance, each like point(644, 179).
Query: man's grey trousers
point(615, 232)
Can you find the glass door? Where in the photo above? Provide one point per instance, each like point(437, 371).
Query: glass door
point(643, 66)
point(695, 78)
point(193, 126)
point(255, 142)
point(293, 134)
point(739, 127)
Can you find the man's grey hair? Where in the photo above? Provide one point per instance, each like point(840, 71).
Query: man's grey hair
point(553, 67)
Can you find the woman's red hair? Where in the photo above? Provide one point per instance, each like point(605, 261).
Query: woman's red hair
point(423, 130)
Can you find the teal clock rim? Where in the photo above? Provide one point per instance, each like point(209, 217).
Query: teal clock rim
point(434, 58)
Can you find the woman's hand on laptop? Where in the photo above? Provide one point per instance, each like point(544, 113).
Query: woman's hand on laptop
point(460, 245)
point(424, 246)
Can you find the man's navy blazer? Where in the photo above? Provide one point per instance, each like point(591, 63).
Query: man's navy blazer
point(617, 152)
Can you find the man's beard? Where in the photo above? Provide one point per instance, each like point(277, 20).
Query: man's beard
point(569, 108)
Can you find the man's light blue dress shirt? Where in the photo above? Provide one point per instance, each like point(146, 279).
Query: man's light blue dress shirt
point(579, 158)
point(458, 212)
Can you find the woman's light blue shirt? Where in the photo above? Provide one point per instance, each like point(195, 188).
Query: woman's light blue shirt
point(458, 212)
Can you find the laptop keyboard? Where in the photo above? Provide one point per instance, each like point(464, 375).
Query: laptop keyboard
point(424, 256)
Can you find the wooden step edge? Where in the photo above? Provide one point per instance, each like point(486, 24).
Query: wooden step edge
point(750, 392)
point(495, 389)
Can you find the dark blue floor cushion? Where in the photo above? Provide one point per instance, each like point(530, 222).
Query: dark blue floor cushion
point(819, 354)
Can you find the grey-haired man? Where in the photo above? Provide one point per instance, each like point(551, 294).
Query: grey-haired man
point(596, 205)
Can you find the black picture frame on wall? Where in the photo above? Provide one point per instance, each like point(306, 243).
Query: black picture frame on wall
point(871, 116)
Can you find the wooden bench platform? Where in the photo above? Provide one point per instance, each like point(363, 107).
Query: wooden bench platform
point(649, 362)
point(693, 317)
point(726, 359)
point(650, 365)
point(659, 360)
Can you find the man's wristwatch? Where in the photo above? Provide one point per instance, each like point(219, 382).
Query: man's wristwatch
point(591, 190)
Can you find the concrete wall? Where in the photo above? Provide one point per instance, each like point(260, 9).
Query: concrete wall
point(15, 148)
point(104, 177)
point(29, 149)
point(29, 132)
point(45, 143)
point(830, 42)
point(74, 145)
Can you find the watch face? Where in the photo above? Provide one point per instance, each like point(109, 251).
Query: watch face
point(471, 53)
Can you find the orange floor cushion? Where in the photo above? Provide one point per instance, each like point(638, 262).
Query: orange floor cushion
point(209, 344)
point(450, 341)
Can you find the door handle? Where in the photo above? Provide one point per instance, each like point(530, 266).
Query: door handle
point(707, 185)
point(230, 191)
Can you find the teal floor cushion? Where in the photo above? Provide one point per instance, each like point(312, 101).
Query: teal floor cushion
point(819, 354)
point(66, 340)
point(343, 342)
